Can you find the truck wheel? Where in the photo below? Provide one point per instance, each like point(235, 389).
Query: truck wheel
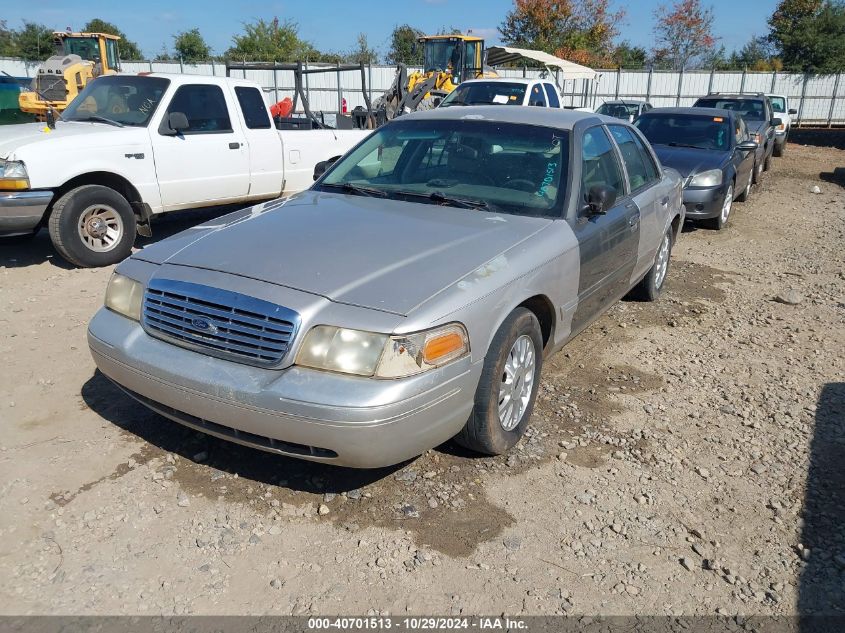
point(92, 226)
point(758, 173)
point(652, 284)
point(508, 386)
point(780, 148)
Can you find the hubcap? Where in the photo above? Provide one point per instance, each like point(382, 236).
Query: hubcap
point(726, 205)
point(661, 264)
point(517, 383)
point(100, 228)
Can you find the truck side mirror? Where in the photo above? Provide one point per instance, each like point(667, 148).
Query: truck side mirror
point(323, 166)
point(176, 122)
point(600, 198)
point(792, 111)
point(776, 121)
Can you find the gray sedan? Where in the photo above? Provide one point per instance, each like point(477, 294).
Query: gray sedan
point(408, 298)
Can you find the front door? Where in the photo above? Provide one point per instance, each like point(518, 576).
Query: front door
point(608, 242)
point(208, 162)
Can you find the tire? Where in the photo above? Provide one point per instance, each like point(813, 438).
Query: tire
point(721, 220)
point(779, 149)
point(652, 284)
point(743, 197)
point(484, 432)
point(767, 164)
point(758, 173)
point(83, 214)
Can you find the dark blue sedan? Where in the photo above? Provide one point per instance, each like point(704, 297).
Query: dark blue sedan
point(713, 152)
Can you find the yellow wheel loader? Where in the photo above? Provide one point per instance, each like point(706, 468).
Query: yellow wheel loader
point(79, 58)
point(447, 61)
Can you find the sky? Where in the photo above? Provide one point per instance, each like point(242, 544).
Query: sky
point(333, 25)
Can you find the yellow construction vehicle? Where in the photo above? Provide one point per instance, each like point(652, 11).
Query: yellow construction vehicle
point(447, 61)
point(79, 57)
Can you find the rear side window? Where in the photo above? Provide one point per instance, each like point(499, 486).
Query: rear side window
point(641, 171)
point(204, 106)
point(253, 108)
point(551, 93)
point(599, 165)
point(537, 97)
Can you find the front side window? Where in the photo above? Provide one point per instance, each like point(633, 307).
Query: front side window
point(123, 99)
point(641, 170)
point(551, 93)
point(486, 93)
point(205, 108)
point(86, 47)
point(486, 165)
point(253, 108)
point(599, 165)
point(682, 130)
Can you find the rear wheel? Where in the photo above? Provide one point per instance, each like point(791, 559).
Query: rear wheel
point(92, 226)
point(508, 386)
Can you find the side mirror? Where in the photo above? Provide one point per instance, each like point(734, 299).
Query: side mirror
point(776, 121)
point(323, 166)
point(747, 146)
point(176, 122)
point(600, 198)
point(792, 111)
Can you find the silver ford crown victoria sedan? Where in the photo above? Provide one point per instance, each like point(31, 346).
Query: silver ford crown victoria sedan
point(407, 298)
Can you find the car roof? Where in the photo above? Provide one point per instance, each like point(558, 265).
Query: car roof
point(734, 95)
point(510, 80)
point(550, 117)
point(693, 111)
point(625, 102)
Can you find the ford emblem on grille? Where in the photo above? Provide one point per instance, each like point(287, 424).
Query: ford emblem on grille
point(204, 325)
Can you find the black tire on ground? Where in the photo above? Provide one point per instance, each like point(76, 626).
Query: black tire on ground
point(483, 432)
point(780, 148)
point(746, 193)
point(652, 284)
point(106, 211)
point(767, 164)
point(719, 222)
point(758, 174)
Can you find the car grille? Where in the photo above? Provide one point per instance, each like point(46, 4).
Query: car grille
point(219, 322)
point(52, 87)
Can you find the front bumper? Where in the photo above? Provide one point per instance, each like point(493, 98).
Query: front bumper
point(299, 412)
point(703, 203)
point(21, 211)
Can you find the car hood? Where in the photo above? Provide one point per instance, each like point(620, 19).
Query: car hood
point(14, 137)
point(689, 160)
point(756, 126)
point(370, 252)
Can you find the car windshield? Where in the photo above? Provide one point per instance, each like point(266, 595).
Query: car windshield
point(778, 104)
point(123, 99)
point(501, 167)
point(750, 109)
point(618, 110)
point(685, 130)
point(486, 93)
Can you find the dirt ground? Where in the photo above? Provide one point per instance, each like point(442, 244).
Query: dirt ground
point(685, 457)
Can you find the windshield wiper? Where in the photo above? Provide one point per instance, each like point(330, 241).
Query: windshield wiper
point(97, 119)
point(359, 189)
point(438, 196)
point(673, 144)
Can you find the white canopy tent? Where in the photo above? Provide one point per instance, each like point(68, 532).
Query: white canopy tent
point(498, 55)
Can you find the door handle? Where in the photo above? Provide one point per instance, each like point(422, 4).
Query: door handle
point(234, 145)
point(633, 221)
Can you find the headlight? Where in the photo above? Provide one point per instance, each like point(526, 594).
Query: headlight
point(380, 355)
point(13, 175)
point(709, 178)
point(124, 296)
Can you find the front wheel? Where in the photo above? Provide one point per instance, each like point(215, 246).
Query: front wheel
point(780, 148)
point(758, 173)
point(508, 386)
point(721, 220)
point(93, 226)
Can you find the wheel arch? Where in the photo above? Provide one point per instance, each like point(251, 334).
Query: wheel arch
point(105, 179)
point(544, 310)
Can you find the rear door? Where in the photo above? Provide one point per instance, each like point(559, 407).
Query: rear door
point(207, 163)
point(607, 243)
point(264, 145)
point(643, 178)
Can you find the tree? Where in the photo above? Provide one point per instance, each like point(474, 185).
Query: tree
point(7, 41)
point(34, 42)
point(129, 50)
point(271, 41)
point(683, 32)
point(578, 30)
point(403, 46)
point(191, 47)
point(756, 54)
point(627, 56)
point(810, 35)
point(362, 53)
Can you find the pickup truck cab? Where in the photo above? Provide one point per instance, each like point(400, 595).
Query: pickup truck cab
point(780, 106)
point(504, 91)
point(130, 147)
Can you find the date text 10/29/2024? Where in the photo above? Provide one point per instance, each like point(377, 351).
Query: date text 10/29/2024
point(420, 623)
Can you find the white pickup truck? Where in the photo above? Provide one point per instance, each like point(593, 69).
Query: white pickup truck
point(133, 146)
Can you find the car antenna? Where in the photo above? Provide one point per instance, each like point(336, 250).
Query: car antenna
point(51, 111)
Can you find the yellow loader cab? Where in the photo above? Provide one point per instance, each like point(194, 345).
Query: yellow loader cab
point(79, 58)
